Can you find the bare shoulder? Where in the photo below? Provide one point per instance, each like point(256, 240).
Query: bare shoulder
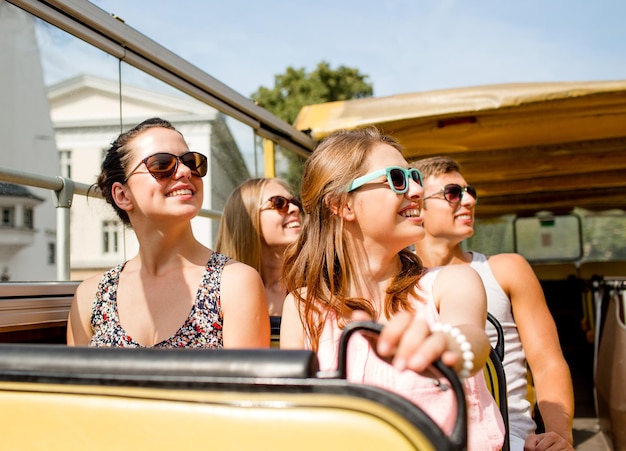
point(86, 291)
point(241, 283)
point(508, 268)
point(518, 280)
point(78, 322)
point(291, 328)
point(234, 269)
point(508, 261)
point(451, 273)
point(457, 281)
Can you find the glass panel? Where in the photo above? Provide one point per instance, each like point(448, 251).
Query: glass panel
point(65, 102)
point(549, 238)
point(289, 167)
point(48, 81)
point(604, 235)
point(491, 236)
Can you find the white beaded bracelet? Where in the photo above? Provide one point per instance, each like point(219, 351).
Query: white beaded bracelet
point(466, 347)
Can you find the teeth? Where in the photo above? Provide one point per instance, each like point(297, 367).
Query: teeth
point(180, 192)
point(293, 225)
point(464, 217)
point(410, 213)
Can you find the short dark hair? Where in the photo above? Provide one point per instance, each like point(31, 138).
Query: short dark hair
point(434, 166)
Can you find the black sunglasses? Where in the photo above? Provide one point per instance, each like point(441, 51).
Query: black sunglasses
point(453, 193)
point(281, 204)
point(163, 165)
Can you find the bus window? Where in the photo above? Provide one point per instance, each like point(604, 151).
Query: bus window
point(548, 238)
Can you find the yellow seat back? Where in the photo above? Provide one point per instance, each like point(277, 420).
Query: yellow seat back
point(59, 398)
point(73, 417)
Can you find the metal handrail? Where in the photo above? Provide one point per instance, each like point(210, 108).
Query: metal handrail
point(65, 189)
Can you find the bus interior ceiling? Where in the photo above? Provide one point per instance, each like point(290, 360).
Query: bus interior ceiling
point(526, 147)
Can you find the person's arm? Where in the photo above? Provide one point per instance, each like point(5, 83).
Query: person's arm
point(460, 295)
point(540, 340)
point(291, 327)
point(79, 330)
point(242, 295)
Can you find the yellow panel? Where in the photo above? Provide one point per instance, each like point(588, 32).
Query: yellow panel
point(269, 150)
point(529, 99)
point(71, 418)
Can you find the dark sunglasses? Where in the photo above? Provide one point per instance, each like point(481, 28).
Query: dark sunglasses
point(397, 177)
point(164, 165)
point(281, 204)
point(453, 193)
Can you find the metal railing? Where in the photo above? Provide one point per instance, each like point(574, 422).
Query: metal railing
point(65, 189)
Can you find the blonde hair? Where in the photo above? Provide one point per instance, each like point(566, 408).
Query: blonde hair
point(318, 267)
point(239, 235)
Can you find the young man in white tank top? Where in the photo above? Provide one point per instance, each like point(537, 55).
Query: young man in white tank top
point(513, 290)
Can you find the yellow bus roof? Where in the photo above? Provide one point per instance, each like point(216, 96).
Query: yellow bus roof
point(525, 146)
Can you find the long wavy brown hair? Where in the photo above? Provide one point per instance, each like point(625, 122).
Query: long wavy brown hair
point(319, 268)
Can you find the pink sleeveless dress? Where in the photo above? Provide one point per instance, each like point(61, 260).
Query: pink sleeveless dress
point(485, 424)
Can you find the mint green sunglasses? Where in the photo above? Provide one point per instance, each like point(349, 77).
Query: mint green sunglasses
point(397, 177)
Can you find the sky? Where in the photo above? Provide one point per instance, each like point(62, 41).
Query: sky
point(401, 46)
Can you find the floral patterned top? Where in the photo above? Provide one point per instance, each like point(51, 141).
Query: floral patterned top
point(202, 329)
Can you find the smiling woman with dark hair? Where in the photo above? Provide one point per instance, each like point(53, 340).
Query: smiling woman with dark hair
point(175, 292)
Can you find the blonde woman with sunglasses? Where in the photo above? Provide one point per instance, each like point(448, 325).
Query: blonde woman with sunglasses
point(175, 292)
point(260, 219)
point(362, 204)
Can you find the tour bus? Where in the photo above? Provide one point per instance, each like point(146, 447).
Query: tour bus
point(547, 161)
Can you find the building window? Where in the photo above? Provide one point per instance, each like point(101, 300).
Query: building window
point(52, 253)
point(28, 218)
point(8, 217)
point(66, 163)
point(110, 231)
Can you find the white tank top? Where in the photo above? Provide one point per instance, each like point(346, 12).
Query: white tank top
point(499, 305)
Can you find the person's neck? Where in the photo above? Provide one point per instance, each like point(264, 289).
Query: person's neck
point(161, 250)
point(271, 272)
point(271, 264)
point(440, 252)
point(375, 269)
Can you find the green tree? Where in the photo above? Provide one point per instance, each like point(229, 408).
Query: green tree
point(296, 88)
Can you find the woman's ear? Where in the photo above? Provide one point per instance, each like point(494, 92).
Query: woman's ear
point(121, 196)
point(343, 209)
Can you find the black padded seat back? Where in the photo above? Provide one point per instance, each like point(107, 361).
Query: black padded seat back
point(499, 346)
point(149, 364)
point(496, 378)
